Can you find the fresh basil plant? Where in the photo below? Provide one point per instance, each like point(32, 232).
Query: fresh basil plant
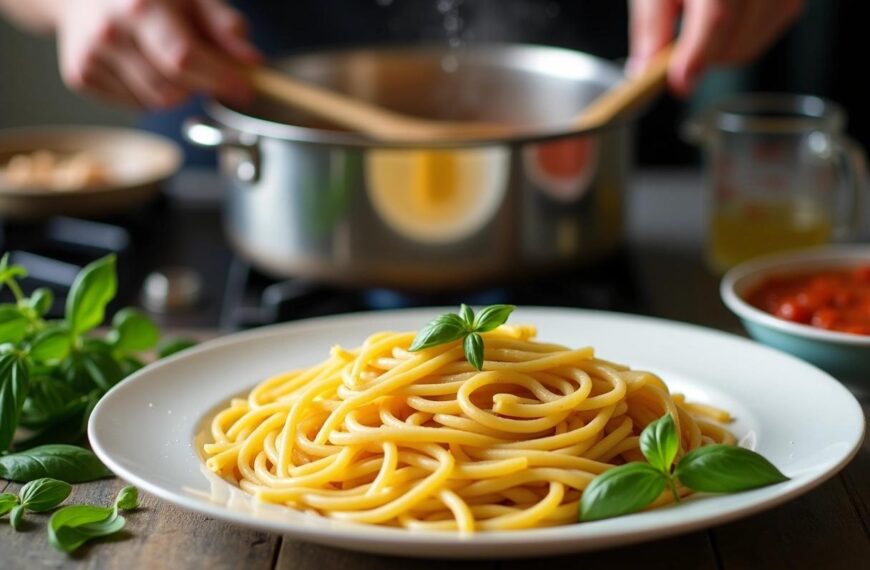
point(53, 372)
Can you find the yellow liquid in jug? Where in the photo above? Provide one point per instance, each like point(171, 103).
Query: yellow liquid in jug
point(742, 230)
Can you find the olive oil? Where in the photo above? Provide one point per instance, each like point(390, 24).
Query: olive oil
point(743, 229)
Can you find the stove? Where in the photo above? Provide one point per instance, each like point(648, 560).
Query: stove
point(178, 239)
point(253, 299)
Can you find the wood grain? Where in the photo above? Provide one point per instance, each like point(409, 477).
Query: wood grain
point(157, 535)
point(856, 475)
point(819, 530)
point(295, 555)
point(688, 551)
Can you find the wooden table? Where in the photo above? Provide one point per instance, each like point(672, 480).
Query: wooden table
point(826, 528)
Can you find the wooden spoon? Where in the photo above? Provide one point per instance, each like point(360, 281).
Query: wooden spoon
point(386, 125)
point(364, 117)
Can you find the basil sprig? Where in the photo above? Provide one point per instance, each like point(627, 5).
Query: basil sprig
point(53, 372)
point(712, 468)
point(72, 526)
point(38, 496)
point(465, 326)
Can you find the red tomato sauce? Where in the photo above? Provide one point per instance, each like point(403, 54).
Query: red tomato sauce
point(836, 300)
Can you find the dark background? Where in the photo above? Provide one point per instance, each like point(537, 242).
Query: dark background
point(820, 56)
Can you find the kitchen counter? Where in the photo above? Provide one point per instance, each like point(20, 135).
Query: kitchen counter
point(826, 528)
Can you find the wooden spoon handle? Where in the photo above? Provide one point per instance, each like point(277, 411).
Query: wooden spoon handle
point(339, 109)
point(627, 95)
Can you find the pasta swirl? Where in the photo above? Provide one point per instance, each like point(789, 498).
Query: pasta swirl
point(424, 441)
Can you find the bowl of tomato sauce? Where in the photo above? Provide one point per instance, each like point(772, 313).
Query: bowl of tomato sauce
point(812, 303)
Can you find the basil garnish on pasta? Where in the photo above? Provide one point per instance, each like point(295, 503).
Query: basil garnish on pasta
point(466, 326)
point(716, 468)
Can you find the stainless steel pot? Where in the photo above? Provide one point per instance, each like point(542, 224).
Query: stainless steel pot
point(305, 199)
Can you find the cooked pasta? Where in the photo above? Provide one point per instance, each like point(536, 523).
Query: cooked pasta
point(422, 440)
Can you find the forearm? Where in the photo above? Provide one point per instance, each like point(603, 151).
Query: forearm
point(34, 15)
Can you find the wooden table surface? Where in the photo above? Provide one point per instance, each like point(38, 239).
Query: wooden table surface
point(828, 527)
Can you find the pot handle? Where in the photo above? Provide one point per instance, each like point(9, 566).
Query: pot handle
point(242, 159)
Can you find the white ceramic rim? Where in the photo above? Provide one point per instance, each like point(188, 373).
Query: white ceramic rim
point(754, 271)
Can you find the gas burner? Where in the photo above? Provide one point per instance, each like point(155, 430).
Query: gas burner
point(253, 299)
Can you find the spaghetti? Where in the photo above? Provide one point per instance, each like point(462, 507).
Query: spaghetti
point(423, 440)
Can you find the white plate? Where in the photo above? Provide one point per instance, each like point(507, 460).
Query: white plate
point(794, 414)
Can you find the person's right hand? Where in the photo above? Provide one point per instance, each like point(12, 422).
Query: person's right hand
point(153, 53)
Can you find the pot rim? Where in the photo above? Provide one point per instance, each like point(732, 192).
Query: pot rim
point(241, 122)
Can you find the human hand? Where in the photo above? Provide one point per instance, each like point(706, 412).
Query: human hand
point(714, 32)
point(153, 53)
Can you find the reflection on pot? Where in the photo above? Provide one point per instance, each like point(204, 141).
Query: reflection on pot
point(562, 169)
point(437, 196)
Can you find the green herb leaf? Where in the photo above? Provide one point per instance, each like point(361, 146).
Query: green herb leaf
point(44, 494)
point(14, 385)
point(7, 503)
point(621, 490)
point(132, 331)
point(72, 526)
point(49, 401)
point(443, 329)
point(102, 369)
point(13, 324)
point(127, 499)
point(129, 365)
point(659, 443)
point(16, 517)
point(41, 301)
point(726, 469)
point(473, 347)
point(91, 291)
point(59, 461)
point(50, 345)
point(467, 315)
point(174, 346)
point(492, 317)
point(9, 272)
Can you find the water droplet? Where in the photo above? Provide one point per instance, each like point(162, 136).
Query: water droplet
point(450, 63)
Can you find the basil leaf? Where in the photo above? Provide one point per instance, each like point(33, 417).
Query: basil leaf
point(492, 317)
point(72, 526)
point(59, 461)
point(7, 503)
point(8, 272)
point(621, 490)
point(41, 301)
point(726, 469)
point(129, 365)
point(44, 494)
point(13, 324)
point(14, 385)
point(443, 329)
point(132, 331)
point(467, 315)
point(16, 516)
point(49, 401)
point(174, 346)
point(473, 347)
point(91, 291)
point(127, 499)
point(50, 345)
point(659, 443)
point(102, 369)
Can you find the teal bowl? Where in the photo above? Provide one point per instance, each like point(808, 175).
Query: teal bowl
point(846, 356)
